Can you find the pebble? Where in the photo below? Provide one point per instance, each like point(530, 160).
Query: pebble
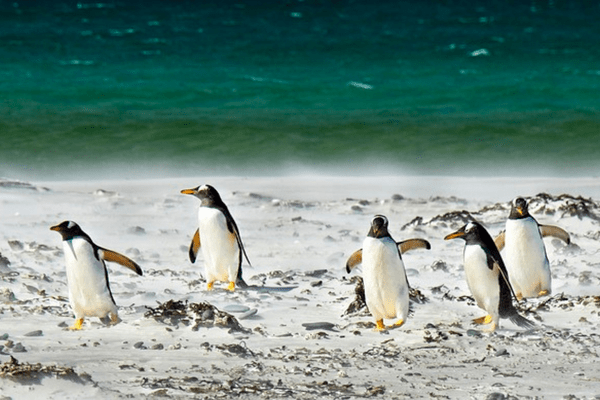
point(34, 333)
point(236, 308)
point(158, 346)
point(19, 348)
point(502, 352)
point(138, 345)
point(4, 336)
point(248, 313)
point(319, 325)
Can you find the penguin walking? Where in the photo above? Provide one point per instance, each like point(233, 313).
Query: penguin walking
point(487, 277)
point(219, 238)
point(87, 276)
point(384, 276)
point(524, 251)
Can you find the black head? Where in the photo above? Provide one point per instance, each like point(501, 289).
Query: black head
point(207, 194)
point(473, 232)
point(379, 227)
point(68, 230)
point(518, 208)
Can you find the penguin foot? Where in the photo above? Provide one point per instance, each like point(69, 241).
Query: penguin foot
point(399, 323)
point(209, 285)
point(114, 319)
point(231, 286)
point(483, 320)
point(380, 326)
point(543, 293)
point(77, 325)
point(492, 328)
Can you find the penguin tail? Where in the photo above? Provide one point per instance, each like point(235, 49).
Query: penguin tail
point(241, 283)
point(521, 321)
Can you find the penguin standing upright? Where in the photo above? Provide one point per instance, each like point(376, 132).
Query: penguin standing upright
point(524, 251)
point(219, 238)
point(486, 276)
point(384, 276)
point(87, 276)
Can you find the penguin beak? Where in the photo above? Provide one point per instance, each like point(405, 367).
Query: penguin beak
point(520, 210)
point(455, 235)
point(55, 228)
point(188, 191)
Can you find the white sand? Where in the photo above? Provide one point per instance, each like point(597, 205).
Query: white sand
point(296, 225)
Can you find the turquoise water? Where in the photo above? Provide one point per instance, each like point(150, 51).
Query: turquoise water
point(148, 89)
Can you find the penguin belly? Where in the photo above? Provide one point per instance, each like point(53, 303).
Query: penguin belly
point(89, 294)
point(525, 258)
point(482, 281)
point(386, 288)
point(219, 246)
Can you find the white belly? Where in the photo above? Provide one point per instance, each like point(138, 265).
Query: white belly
point(219, 247)
point(89, 295)
point(386, 288)
point(482, 281)
point(525, 258)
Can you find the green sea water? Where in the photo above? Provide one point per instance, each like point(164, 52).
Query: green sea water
point(145, 89)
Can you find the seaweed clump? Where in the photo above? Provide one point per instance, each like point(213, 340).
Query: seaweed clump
point(34, 373)
point(196, 315)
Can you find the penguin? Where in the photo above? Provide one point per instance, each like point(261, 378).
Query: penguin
point(384, 276)
point(524, 251)
point(487, 277)
point(219, 238)
point(87, 276)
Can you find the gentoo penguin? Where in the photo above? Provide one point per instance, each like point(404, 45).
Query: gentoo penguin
point(486, 276)
point(386, 285)
point(87, 276)
point(524, 251)
point(219, 237)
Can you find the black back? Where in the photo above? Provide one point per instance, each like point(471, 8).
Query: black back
point(476, 234)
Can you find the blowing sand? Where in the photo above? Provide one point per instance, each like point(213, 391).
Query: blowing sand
point(178, 340)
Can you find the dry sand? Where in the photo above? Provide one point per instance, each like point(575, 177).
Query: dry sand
point(298, 231)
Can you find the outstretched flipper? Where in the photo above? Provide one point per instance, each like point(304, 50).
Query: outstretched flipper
point(403, 246)
point(112, 256)
point(194, 246)
point(411, 244)
point(354, 260)
point(555, 231)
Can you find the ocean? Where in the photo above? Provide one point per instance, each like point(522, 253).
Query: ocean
point(140, 89)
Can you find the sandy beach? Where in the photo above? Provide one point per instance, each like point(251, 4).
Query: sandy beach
point(302, 343)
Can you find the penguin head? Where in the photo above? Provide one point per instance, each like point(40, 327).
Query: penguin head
point(68, 230)
point(471, 233)
point(518, 208)
point(379, 227)
point(207, 194)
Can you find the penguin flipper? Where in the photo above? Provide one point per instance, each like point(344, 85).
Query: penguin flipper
point(194, 246)
point(411, 244)
point(113, 256)
point(354, 260)
point(233, 229)
point(550, 230)
point(499, 240)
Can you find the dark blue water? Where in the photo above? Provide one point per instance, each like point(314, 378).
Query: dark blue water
point(155, 88)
